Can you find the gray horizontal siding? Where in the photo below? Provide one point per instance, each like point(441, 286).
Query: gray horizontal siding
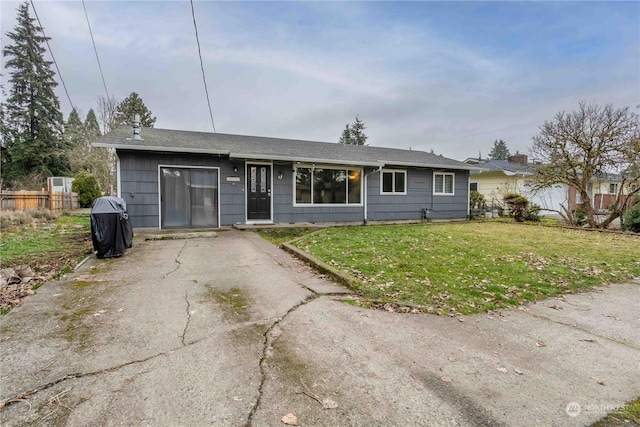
point(389, 207)
point(139, 184)
point(139, 188)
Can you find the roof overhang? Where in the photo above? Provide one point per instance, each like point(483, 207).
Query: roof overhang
point(285, 158)
point(244, 156)
point(136, 147)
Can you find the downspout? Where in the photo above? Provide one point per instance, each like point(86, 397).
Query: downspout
point(366, 184)
point(118, 179)
point(468, 195)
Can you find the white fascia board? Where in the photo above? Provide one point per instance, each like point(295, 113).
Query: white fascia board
point(136, 147)
point(305, 160)
point(435, 166)
point(512, 173)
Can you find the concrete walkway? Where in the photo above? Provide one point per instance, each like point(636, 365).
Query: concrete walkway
point(231, 331)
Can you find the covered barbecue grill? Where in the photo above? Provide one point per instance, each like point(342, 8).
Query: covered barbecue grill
point(111, 231)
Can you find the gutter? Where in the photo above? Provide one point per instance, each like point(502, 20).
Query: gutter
point(242, 156)
point(160, 148)
point(366, 184)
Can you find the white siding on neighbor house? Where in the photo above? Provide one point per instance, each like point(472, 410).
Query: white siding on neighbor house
point(493, 185)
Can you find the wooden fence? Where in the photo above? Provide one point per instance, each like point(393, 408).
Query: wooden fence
point(38, 200)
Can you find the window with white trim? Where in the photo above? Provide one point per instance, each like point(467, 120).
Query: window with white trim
point(327, 186)
point(613, 188)
point(443, 183)
point(394, 182)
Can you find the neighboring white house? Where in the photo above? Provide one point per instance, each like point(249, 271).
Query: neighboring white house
point(500, 177)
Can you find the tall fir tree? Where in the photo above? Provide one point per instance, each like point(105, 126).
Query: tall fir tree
point(132, 105)
point(33, 123)
point(499, 151)
point(73, 130)
point(345, 138)
point(357, 132)
point(92, 127)
point(353, 134)
point(102, 160)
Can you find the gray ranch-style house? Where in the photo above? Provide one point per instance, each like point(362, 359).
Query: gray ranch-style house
point(174, 179)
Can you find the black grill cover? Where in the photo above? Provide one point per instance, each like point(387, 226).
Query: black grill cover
point(111, 230)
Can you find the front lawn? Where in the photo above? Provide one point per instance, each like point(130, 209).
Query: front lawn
point(471, 267)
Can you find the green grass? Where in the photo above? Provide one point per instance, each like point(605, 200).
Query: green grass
point(625, 416)
point(474, 266)
point(23, 246)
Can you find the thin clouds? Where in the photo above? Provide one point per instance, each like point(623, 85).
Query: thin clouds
point(451, 77)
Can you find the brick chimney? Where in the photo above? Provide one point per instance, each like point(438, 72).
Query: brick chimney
point(521, 159)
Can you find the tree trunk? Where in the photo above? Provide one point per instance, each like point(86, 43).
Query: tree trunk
point(588, 209)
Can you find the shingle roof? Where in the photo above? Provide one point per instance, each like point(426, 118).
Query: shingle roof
point(504, 166)
point(264, 148)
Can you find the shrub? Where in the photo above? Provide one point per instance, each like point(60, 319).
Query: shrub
point(519, 208)
point(477, 204)
point(517, 205)
point(533, 214)
point(86, 185)
point(632, 219)
point(579, 217)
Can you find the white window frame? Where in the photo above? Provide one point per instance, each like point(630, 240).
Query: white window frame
point(393, 182)
point(444, 186)
point(615, 187)
point(333, 167)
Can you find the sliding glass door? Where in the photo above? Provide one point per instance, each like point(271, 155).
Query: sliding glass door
point(188, 197)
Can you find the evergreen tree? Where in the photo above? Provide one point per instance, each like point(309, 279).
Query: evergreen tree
point(75, 137)
point(358, 136)
point(73, 130)
point(354, 134)
point(92, 127)
point(345, 138)
point(102, 162)
point(499, 151)
point(132, 105)
point(32, 122)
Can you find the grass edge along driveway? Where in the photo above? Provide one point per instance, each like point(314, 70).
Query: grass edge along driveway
point(471, 267)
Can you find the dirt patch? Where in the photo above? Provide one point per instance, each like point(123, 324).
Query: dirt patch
point(46, 266)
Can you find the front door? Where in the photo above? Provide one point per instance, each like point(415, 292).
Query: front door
point(259, 192)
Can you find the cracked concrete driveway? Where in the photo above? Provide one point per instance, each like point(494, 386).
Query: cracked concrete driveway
point(232, 331)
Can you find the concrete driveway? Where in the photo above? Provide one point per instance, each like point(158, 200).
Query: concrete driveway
point(231, 331)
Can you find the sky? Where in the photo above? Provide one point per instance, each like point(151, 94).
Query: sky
point(451, 77)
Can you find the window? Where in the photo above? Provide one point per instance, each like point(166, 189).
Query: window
point(613, 188)
point(327, 186)
point(473, 186)
point(394, 182)
point(443, 183)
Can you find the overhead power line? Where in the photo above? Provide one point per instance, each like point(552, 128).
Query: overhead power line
point(46, 39)
point(95, 49)
point(204, 79)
